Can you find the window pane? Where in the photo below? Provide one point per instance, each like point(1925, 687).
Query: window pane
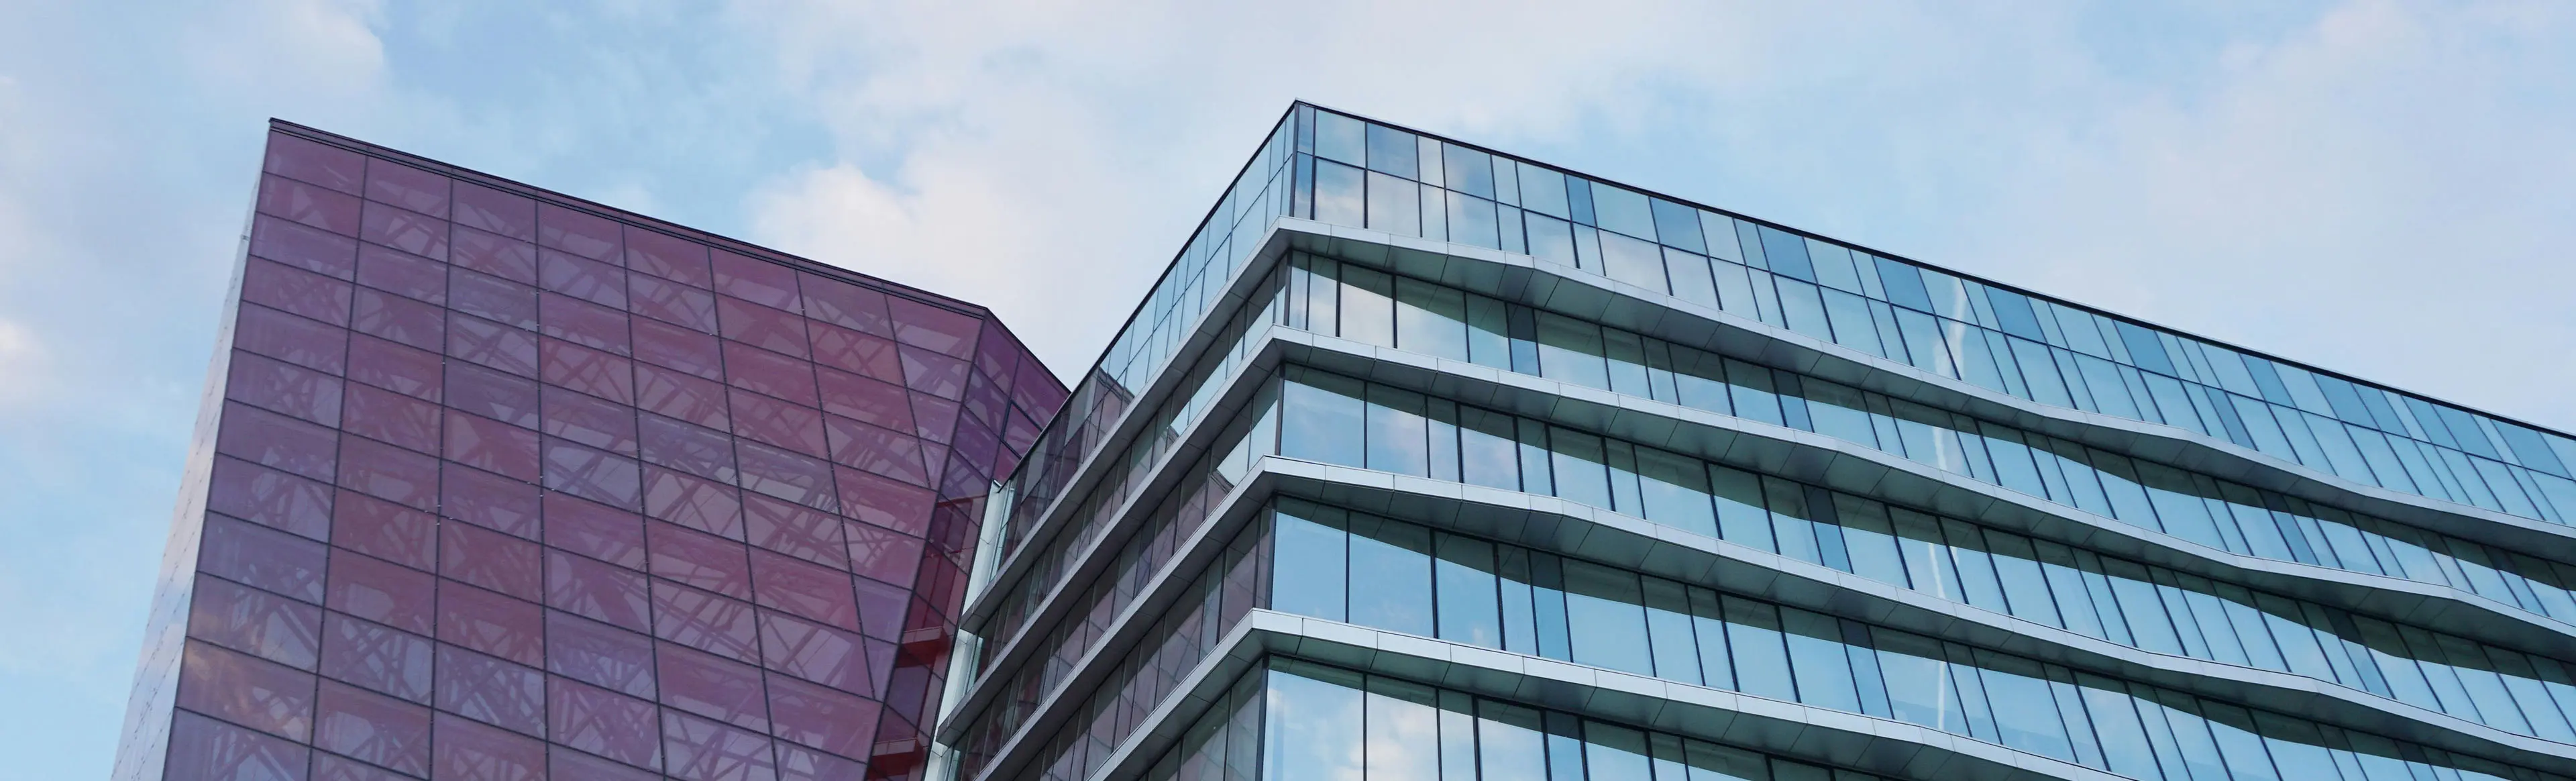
point(1580, 474)
point(2025, 710)
point(1675, 491)
point(1761, 661)
point(1570, 350)
point(1471, 221)
point(1403, 730)
point(1322, 425)
point(1606, 618)
point(1308, 573)
point(1368, 306)
point(1394, 205)
point(1678, 226)
point(1340, 138)
point(1430, 319)
point(1816, 656)
point(1392, 151)
point(1668, 622)
point(1398, 434)
point(1869, 541)
point(1508, 743)
point(1741, 518)
point(1468, 171)
point(1634, 261)
point(1390, 575)
point(1314, 726)
point(1918, 681)
point(1551, 239)
point(1614, 753)
point(1339, 195)
point(1487, 455)
point(1469, 612)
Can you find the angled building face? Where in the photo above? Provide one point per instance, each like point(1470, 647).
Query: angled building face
point(1423, 461)
point(495, 483)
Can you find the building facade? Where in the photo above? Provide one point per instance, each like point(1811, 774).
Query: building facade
point(1423, 461)
point(493, 483)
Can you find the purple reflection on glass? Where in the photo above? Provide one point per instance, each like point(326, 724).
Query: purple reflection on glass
point(382, 592)
point(580, 233)
point(407, 187)
point(256, 622)
point(667, 256)
point(377, 657)
point(270, 497)
point(246, 690)
point(204, 749)
point(758, 281)
point(305, 203)
point(372, 727)
point(490, 210)
point(385, 530)
point(467, 749)
point(411, 232)
point(291, 339)
point(302, 246)
point(604, 723)
point(262, 557)
point(847, 305)
point(314, 161)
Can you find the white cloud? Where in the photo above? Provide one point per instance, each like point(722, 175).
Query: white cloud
point(24, 376)
point(1047, 159)
point(2297, 185)
point(2376, 194)
point(315, 49)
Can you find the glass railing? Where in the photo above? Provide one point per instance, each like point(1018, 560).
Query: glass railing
point(1388, 574)
point(1369, 306)
point(1153, 335)
point(1366, 305)
point(1318, 164)
point(1366, 174)
point(1332, 419)
point(1295, 720)
point(1182, 636)
point(1382, 573)
point(1096, 512)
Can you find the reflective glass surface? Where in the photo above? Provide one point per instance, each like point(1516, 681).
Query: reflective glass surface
point(1083, 657)
point(1589, 614)
point(2006, 341)
point(1313, 721)
point(2105, 597)
point(1573, 610)
point(2220, 514)
point(507, 485)
point(1317, 164)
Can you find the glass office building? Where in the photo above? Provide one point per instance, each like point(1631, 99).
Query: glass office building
point(1423, 461)
point(493, 483)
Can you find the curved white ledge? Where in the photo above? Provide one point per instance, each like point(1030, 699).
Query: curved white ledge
point(1591, 533)
point(1799, 455)
point(1852, 468)
point(1586, 532)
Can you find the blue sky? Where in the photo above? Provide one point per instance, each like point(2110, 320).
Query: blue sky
point(2383, 189)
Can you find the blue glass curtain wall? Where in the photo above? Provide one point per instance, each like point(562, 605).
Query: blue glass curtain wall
point(1175, 642)
point(2032, 348)
point(1353, 302)
point(1333, 419)
point(1152, 337)
point(1095, 511)
point(1293, 720)
point(1389, 574)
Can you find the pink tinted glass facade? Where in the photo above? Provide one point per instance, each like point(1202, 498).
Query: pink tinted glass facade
point(493, 483)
